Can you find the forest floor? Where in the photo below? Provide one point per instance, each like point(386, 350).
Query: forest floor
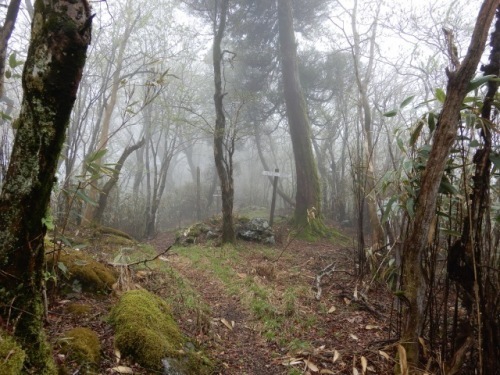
point(256, 309)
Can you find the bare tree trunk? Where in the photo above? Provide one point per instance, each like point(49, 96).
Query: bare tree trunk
point(110, 184)
point(222, 153)
point(51, 76)
point(109, 107)
point(413, 280)
point(308, 187)
point(479, 292)
point(5, 33)
point(363, 81)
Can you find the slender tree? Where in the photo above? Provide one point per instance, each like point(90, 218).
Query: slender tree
point(61, 32)
point(414, 285)
point(223, 162)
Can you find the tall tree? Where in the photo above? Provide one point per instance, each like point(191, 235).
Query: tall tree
point(308, 194)
point(223, 155)
point(61, 32)
point(413, 280)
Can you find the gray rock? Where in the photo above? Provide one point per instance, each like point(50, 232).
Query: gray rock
point(169, 367)
point(257, 230)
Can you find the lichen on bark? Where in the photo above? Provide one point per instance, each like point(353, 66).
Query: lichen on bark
point(59, 39)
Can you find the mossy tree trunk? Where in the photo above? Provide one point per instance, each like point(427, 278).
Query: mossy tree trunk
point(413, 279)
point(308, 187)
point(60, 36)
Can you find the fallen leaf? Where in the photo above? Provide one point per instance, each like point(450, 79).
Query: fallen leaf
point(226, 323)
point(384, 354)
point(355, 294)
point(364, 364)
point(326, 371)
point(355, 371)
point(369, 327)
point(118, 356)
point(402, 360)
point(354, 337)
point(232, 323)
point(351, 320)
point(336, 355)
point(311, 366)
point(424, 347)
point(292, 361)
point(332, 309)
point(347, 301)
point(122, 370)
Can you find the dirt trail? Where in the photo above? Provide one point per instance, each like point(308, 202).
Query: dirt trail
point(240, 350)
point(334, 335)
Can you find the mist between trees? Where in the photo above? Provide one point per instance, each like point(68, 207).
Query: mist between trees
point(384, 118)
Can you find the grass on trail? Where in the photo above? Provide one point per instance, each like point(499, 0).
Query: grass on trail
point(274, 308)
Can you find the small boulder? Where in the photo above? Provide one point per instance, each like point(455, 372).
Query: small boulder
point(257, 230)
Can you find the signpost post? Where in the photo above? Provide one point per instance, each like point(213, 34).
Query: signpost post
point(218, 197)
point(276, 174)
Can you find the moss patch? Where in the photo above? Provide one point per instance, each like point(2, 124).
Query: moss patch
point(90, 274)
point(146, 331)
point(11, 355)
point(78, 309)
point(82, 345)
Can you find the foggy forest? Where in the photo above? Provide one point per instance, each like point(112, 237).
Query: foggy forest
point(249, 187)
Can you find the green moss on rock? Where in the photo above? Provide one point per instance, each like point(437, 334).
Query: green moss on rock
point(92, 275)
point(146, 331)
point(11, 355)
point(82, 345)
point(78, 309)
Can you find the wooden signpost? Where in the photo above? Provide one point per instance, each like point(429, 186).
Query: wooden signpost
point(276, 174)
point(218, 198)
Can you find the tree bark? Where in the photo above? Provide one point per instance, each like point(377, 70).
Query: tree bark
point(222, 155)
point(308, 187)
point(413, 281)
point(471, 250)
point(52, 72)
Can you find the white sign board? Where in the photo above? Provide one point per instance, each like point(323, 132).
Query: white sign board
point(273, 174)
point(276, 174)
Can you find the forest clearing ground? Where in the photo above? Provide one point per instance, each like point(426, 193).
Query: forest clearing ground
point(279, 326)
point(251, 308)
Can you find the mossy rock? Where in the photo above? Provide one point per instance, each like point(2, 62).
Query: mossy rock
point(78, 309)
point(146, 331)
point(11, 355)
point(82, 346)
point(92, 275)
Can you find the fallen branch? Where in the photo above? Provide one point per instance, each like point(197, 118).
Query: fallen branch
point(141, 261)
point(327, 271)
point(363, 304)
